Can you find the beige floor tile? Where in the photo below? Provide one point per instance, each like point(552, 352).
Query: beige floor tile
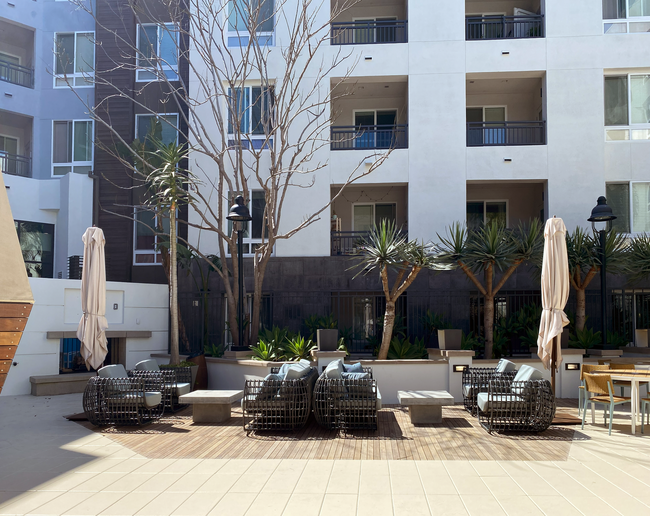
point(592, 505)
point(402, 467)
point(482, 505)
point(285, 477)
point(374, 484)
point(533, 484)
point(94, 504)
point(129, 504)
point(460, 468)
point(339, 505)
point(155, 465)
point(128, 466)
point(209, 466)
point(233, 504)
point(314, 478)
point(344, 478)
point(439, 486)
point(159, 483)
point(558, 479)
point(251, 482)
point(189, 482)
point(181, 466)
point(503, 486)
point(406, 484)
point(218, 483)
point(198, 504)
point(7, 497)
point(236, 466)
point(410, 505)
point(98, 482)
point(61, 503)
point(268, 504)
point(555, 506)
point(519, 506)
point(129, 482)
point(99, 465)
point(66, 482)
point(470, 486)
point(375, 505)
point(488, 468)
point(446, 505)
point(374, 467)
point(303, 505)
point(163, 504)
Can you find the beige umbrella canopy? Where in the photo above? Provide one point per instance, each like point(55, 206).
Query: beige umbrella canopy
point(555, 294)
point(93, 325)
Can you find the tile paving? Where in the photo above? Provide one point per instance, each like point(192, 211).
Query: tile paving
point(51, 466)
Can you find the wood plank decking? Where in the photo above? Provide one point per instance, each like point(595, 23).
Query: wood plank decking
point(458, 437)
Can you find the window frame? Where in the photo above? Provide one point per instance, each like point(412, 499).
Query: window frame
point(170, 28)
point(374, 211)
point(485, 201)
point(73, 163)
point(54, 246)
point(237, 38)
point(146, 252)
point(630, 127)
point(624, 21)
point(248, 138)
point(74, 75)
point(158, 115)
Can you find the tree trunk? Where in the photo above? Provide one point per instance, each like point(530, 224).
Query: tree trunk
point(488, 316)
point(173, 285)
point(389, 321)
point(581, 309)
point(259, 270)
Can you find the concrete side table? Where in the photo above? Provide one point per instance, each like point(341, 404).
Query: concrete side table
point(425, 406)
point(211, 406)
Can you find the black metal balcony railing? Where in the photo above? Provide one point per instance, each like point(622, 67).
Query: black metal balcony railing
point(369, 137)
point(504, 27)
point(491, 134)
point(369, 32)
point(16, 74)
point(15, 165)
point(347, 243)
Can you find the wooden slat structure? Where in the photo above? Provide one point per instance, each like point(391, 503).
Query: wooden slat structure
point(15, 294)
point(458, 437)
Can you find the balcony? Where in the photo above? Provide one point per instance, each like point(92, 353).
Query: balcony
point(16, 54)
point(511, 203)
point(369, 32)
point(504, 27)
point(371, 137)
point(15, 144)
point(486, 134)
point(15, 165)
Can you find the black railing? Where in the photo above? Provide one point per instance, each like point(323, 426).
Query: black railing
point(347, 243)
point(495, 134)
point(369, 32)
point(370, 137)
point(75, 266)
point(15, 165)
point(504, 27)
point(16, 74)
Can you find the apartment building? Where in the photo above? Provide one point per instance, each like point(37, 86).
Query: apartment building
point(46, 134)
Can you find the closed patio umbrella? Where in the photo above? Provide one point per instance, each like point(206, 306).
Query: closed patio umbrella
point(555, 293)
point(93, 325)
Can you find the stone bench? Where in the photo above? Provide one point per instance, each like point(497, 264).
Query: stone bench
point(211, 406)
point(56, 384)
point(425, 406)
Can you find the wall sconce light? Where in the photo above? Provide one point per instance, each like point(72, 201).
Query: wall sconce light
point(507, 160)
point(572, 367)
point(505, 53)
point(368, 58)
point(460, 368)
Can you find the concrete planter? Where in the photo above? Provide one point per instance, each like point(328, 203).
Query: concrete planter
point(328, 340)
point(449, 339)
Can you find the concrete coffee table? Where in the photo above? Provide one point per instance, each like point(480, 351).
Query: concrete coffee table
point(425, 406)
point(211, 406)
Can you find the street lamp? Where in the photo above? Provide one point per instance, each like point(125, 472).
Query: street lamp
point(239, 214)
point(602, 213)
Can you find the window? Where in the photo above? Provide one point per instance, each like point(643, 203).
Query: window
point(627, 107)
point(168, 126)
point(147, 238)
point(375, 30)
point(484, 212)
point(618, 199)
point(366, 216)
point(630, 202)
point(72, 147)
point(252, 230)
point(630, 16)
point(480, 133)
point(74, 59)
point(157, 52)
point(376, 129)
point(251, 108)
point(37, 244)
point(8, 153)
point(251, 16)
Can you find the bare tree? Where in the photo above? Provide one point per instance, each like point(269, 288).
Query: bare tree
point(255, 113)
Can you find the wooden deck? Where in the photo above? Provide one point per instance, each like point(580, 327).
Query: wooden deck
point(459, 437)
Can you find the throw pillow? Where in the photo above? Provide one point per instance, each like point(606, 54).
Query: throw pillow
point(269, 387)
point(354, 368)
point(334, 370)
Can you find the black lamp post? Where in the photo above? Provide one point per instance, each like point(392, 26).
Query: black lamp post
point(239, 214)
point(602, 213)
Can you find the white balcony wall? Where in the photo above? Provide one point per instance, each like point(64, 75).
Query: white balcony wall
point(522, 55)
point(528, 162)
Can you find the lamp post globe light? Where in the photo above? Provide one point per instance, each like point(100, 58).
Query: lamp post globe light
point(239, 214)
point(602, 213)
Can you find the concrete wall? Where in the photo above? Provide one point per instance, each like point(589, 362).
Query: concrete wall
point(57, 308)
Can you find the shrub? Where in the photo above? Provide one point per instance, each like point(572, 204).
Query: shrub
point(402, 349)
point(269, 352)
point(298, 348)
point(584, 339)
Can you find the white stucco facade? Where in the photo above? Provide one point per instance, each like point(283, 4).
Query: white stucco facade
point(557, 79)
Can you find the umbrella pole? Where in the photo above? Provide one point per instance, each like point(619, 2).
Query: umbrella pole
point(553, 362)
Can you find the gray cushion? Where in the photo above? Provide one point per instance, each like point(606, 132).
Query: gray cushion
point(297, 371)
point(112, 371)
point(182, 388)
point(305, 363)
point(467, 389)
point(334, 369)
point(378, 399)
point(525, 374)
point(283, 370)
point(147, 365)
point(496, 401)
point(269, 387)
point(505, 366)
point(152, 399)
point(353, 368)
point(354, 376)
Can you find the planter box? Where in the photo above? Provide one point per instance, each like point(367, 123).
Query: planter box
point(449, 339)
point(328, 340)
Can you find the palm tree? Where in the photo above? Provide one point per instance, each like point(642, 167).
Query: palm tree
point(490, 248)
point(583, 251)
point(386, 248)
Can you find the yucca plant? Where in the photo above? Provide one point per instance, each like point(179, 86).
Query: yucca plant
point(267, 351)
point(470, 342)
point(403, 349)
point(616, 340)
point(275, 334)
point(584, 339)
point(297, 348)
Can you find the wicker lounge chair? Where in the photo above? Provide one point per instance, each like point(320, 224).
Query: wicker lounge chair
point(475, 380)
point(115, 398)
point(177, 381)
point(346, 400)
point(281, 401)
point(525, 403)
